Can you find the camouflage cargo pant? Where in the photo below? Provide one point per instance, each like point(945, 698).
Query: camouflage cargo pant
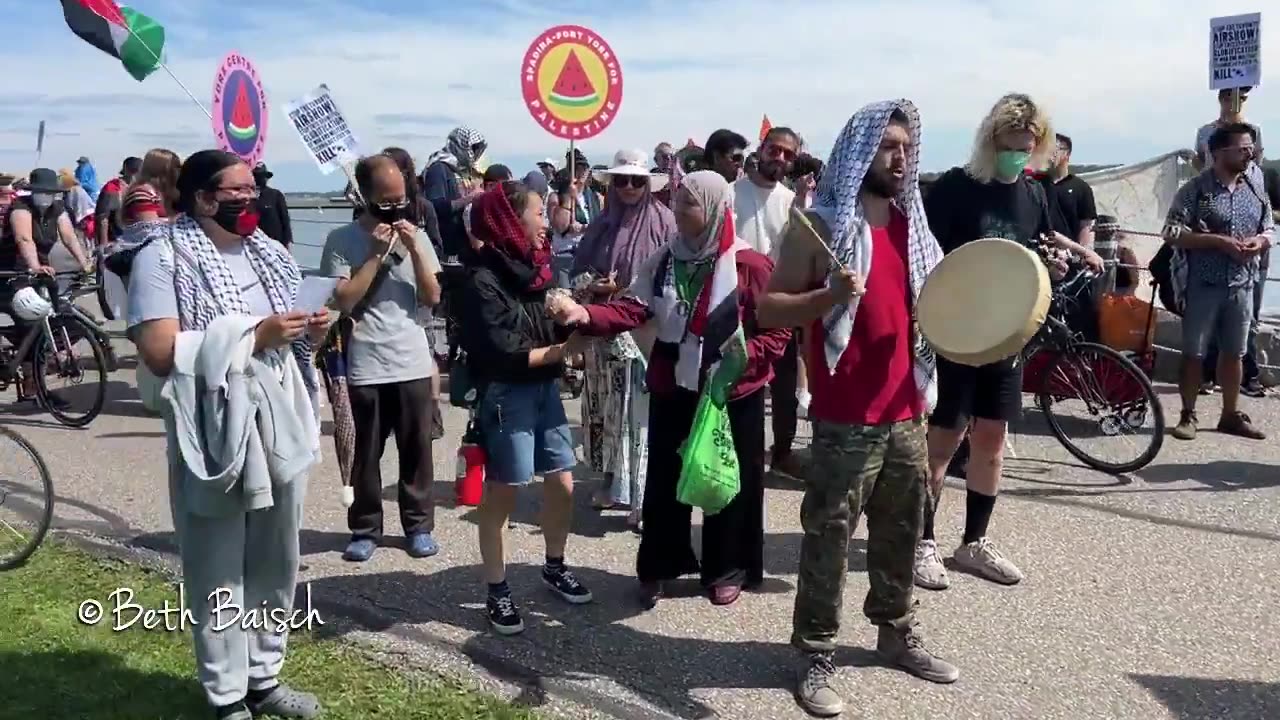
point(879, 469)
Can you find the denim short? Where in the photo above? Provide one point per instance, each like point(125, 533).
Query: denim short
point(525, 431)
point(1217, 315)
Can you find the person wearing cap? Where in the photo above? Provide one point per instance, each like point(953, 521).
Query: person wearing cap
point(87, 176)
point(273, 211)
point(615, 408)
point(548, 168)
point(575, 204)
point(110, 199)
point(37, 222)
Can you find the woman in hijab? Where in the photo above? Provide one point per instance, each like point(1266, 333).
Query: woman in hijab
point(700, 292)
point(615, 406)
point(209, 287)
point(517, 354)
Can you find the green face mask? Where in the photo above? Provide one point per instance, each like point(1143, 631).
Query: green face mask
point(1011, 163)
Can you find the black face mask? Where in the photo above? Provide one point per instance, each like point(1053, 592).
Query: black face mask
point(237, 216)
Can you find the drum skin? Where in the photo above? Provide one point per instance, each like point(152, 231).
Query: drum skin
point(984, 302)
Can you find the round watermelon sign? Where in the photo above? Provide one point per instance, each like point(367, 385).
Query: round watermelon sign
point(572, 82)
point(240, 109)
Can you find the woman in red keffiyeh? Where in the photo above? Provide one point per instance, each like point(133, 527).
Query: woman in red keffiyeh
point(517, 355)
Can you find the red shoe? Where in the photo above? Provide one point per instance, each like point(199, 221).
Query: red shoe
point(725, 594)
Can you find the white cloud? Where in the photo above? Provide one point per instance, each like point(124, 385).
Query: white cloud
point(1126, 79)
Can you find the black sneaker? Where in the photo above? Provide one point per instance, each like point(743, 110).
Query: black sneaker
point(504, 618)
point(1253, 389)
point(562, 582)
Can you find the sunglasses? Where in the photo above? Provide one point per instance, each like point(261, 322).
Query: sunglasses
point(635, 181)
point(738, 158)
point(779, 153)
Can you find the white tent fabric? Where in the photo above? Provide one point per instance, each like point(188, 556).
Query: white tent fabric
point(1139, 195)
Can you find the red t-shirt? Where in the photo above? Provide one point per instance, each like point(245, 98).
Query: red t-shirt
point(874, 382)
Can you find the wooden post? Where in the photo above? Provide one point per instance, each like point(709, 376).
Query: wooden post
point(1235, 100)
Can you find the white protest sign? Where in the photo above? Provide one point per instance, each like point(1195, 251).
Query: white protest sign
point(323, 129)
point(1235, 51)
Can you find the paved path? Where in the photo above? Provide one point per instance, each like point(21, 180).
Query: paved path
point(1150, 596)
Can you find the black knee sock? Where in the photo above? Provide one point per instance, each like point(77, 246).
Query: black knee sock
point(930, 509)
point(977, 515)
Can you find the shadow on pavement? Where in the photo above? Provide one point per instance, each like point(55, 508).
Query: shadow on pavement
point(1191, 698)
point(1216, 475)
point(83, 683)
point(574, 642)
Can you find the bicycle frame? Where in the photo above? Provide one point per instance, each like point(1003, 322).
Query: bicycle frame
point(62, 308)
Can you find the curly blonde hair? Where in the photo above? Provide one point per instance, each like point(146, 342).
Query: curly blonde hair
point(1014, 111)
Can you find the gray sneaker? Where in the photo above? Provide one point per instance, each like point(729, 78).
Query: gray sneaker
point(285, 702)
point(929, 572)
point(981, 558)
point(814, 691)
point(904, 648)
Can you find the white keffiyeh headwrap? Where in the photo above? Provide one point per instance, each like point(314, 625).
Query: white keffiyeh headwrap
point(838, 204)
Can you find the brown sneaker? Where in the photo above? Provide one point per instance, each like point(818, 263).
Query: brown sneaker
point(1240, 425)
point(1187, 425)
point(904, 648)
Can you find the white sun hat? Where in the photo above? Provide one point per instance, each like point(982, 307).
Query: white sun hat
point(633, 162)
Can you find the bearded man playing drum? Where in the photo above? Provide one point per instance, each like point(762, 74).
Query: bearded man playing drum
point(990, 197)
point(869, 448)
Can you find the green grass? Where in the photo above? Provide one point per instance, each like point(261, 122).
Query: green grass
point(52, 666)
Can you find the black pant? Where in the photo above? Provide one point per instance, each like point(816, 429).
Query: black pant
point(378, 410)
point(782, 396)
point(732, 539)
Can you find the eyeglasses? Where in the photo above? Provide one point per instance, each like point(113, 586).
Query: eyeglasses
point(635, 181)
point(391, 205)
point(249, 190)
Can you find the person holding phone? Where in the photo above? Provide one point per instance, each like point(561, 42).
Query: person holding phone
point(388, 268)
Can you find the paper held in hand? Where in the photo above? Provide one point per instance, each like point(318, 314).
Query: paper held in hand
point(314, 293)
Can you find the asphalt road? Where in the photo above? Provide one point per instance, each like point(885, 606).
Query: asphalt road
point(1147, 596)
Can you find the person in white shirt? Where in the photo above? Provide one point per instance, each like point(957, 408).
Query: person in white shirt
point(761, 201)
point(761, 209)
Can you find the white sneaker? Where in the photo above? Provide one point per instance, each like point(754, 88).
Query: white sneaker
point(802, 404)
point(982, 558)
point(929, 571)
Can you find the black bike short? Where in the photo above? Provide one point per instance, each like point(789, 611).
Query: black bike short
point(989, 392)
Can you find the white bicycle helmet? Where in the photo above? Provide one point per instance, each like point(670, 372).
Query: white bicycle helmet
point(29, 305)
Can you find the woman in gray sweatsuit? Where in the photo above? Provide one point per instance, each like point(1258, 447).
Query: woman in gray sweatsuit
point(209, 270)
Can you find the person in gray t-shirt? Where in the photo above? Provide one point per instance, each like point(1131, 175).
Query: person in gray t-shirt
point(388, 270)
point(1226, 116)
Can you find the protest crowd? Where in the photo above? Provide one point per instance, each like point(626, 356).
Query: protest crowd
point(688, 289)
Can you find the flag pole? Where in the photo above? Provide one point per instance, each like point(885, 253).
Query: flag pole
point(161, 64)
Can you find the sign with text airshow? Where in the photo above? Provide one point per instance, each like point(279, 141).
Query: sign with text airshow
point(572, 82)
point(1235, 51)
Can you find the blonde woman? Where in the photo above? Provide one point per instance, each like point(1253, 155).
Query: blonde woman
point(990, 196)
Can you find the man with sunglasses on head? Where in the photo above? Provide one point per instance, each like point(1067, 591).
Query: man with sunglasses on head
point(726, 152)
point(388, 268)
point(761, 208)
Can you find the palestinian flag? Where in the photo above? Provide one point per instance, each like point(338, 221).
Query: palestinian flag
point(121, 32)
point(715, 315)
point(765, 127)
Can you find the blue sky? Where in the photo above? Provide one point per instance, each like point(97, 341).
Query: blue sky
point(1128, 80)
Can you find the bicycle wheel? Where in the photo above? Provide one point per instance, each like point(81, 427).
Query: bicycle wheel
point(26, 499)
point(1118, 400)
point(77, 358)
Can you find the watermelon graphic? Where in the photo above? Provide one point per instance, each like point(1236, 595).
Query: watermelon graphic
point(573, 88)
point(241, 125)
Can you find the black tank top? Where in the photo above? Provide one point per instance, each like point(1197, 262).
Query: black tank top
point(44, 232)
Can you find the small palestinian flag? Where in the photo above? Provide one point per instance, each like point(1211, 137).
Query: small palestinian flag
point(715, 315)
point(121, 32)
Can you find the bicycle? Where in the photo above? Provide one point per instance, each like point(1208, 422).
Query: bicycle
point(47, 348)
point(1058, 365)
point(37, 517)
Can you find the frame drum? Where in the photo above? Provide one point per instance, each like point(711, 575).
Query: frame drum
point(984, 302)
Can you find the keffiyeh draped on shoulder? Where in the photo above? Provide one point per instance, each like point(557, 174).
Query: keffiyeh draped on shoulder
point(838, 204)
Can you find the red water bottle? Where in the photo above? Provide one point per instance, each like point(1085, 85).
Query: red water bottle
point(468, 480)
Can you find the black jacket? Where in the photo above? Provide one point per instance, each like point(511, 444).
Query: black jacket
point(501, 321)
point(273, 215)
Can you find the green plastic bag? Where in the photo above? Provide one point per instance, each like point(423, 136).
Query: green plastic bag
point(709, 471)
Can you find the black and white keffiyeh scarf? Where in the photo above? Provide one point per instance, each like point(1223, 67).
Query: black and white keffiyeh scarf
point(837, 203)
point(206, 289)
